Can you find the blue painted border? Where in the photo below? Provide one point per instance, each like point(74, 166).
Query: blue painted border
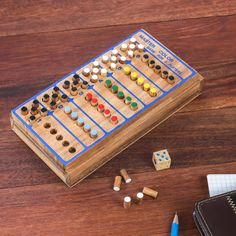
point(121, 124)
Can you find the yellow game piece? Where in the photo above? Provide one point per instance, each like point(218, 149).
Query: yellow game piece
point(140, 81)
point(153, 92)
point(134, 75)
point(127, 70)
point(146, 86)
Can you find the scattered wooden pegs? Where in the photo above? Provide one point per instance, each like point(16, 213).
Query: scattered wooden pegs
point(150, 192)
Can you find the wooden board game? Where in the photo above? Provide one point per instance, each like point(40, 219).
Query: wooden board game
point(87, 117)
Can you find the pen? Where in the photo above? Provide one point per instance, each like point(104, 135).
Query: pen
point(175, 226)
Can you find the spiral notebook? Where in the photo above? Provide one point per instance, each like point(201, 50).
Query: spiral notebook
point(216, 216)
point(221, 183)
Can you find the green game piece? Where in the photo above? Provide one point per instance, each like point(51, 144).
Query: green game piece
point(128, 100)
point(134, 105)
point(108, 83)
point(114, 88)
point(120, 95)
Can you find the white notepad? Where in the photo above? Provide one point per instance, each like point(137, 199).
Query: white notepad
point(221, 183)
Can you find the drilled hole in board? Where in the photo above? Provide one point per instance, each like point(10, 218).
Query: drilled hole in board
point(47, 125)
point(53, 131)
point(72, 150)
point(65, 143)
point(59, 137)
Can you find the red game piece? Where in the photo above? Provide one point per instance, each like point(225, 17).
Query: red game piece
point(100, 107)
point(89, 96)
point(107, 113)
point(114, 119)
point(94, 102)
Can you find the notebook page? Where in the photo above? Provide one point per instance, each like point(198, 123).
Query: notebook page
point(221, 183)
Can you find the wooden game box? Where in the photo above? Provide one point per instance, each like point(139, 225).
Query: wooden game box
point(87, 117)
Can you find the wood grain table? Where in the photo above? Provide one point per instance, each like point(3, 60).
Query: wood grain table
point(40, 41)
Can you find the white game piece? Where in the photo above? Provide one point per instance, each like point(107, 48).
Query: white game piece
point(123, 47)
point(103, 72)
point(95, 71)
point(122, 59)
point(94, 78)
point(114, 52)
point(86, 71)
point(132, 47)
point(130, 54)
point(105, 59)
point(133, 40)
point(95, 64)
point(113, 66)
point(113, 59)
point(140, 47)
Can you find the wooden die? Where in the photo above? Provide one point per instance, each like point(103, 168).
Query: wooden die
point(161, 160)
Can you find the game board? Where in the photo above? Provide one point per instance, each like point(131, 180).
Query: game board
point(90, 115)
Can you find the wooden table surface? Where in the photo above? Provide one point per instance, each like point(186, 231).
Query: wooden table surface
point(40, 41)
